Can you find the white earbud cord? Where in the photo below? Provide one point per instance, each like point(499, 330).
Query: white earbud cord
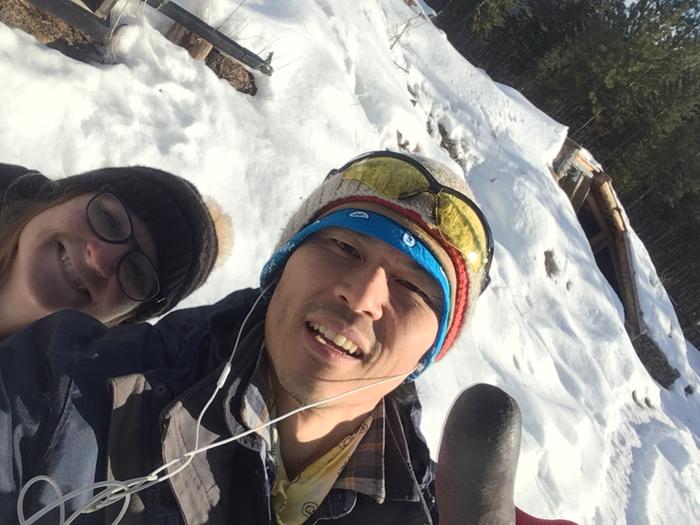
point(114, 491)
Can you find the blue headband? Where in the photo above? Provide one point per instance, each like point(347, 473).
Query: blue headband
point(384, 229)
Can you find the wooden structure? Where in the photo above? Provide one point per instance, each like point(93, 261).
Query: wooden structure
point(77, 15)
point(574, 169)
point(91, 17)
point(600, 213)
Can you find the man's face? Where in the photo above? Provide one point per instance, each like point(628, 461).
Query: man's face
point(349, 310)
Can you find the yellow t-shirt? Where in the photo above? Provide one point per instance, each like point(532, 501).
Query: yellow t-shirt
point(296, 500)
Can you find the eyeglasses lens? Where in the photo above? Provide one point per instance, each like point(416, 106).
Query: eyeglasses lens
point(109, 218)
point(112, 223)
point(138, 277)
point(457, 220)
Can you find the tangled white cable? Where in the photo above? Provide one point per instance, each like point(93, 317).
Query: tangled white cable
point(115, 491)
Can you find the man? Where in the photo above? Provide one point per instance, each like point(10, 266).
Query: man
point(372, 280)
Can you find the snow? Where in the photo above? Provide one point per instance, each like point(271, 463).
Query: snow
point(602, 442)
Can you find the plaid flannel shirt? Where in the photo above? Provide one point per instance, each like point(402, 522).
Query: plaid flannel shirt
point(365, 471)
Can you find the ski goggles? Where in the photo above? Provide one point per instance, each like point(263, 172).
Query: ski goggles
point(459, 220)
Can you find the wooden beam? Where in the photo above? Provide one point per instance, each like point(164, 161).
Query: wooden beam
point(583, 187)
point(592, 204)
point(177, 34)
point(196, 46)
point(609, 201)
point(619, 248)
point(628, 285)
point(105, 8)
point(599, 241)
point(76, 16)
point(208, 33)
point(82, 5)
point(630, 299)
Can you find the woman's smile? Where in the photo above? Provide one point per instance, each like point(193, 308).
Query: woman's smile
point(70, 272)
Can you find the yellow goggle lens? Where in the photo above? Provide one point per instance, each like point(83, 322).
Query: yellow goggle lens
point(405, 180)
point(456, 220)
point(462, 227)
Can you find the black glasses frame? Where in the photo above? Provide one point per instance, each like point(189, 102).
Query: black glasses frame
point(135, 251)
point(434, 187)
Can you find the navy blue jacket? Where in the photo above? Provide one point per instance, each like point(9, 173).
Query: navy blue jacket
point(61, 414)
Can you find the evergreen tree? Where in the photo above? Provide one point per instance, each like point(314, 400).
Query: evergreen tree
point(624, 78)
point(627, 86)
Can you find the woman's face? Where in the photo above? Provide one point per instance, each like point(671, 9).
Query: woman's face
point(61, 263)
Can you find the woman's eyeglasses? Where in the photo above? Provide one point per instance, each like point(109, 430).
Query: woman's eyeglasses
point(111, 222)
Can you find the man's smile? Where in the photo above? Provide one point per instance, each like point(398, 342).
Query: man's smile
point(329, 337)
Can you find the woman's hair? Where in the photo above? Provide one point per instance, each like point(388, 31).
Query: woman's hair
point(17, 209)
point(13, 225)
point(171, 208)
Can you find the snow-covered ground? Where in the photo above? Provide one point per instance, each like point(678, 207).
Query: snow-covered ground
point(349, 77)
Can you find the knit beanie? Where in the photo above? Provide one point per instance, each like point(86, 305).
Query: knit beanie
point(172, 210)
point(416, 213)
point(8, 174)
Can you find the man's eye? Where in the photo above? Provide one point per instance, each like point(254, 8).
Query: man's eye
point(412, 287)
point(430, 301)
point(346, 248)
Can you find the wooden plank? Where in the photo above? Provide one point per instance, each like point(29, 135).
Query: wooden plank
point(621, 260)
point(564, 155)
point(82, 5)
point(176, 34)
point(196, 46)
point(592, 203)
point(200, 50)
point(599, 242)
point(579, 195)
point(630, 299)
point(208, 33)
point(75, 16)
point(610, 203)
point(105, 8)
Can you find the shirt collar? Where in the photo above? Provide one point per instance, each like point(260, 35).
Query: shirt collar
point(364, 472)
point(380, 468)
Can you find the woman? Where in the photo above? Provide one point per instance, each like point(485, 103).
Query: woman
point(121, 244)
